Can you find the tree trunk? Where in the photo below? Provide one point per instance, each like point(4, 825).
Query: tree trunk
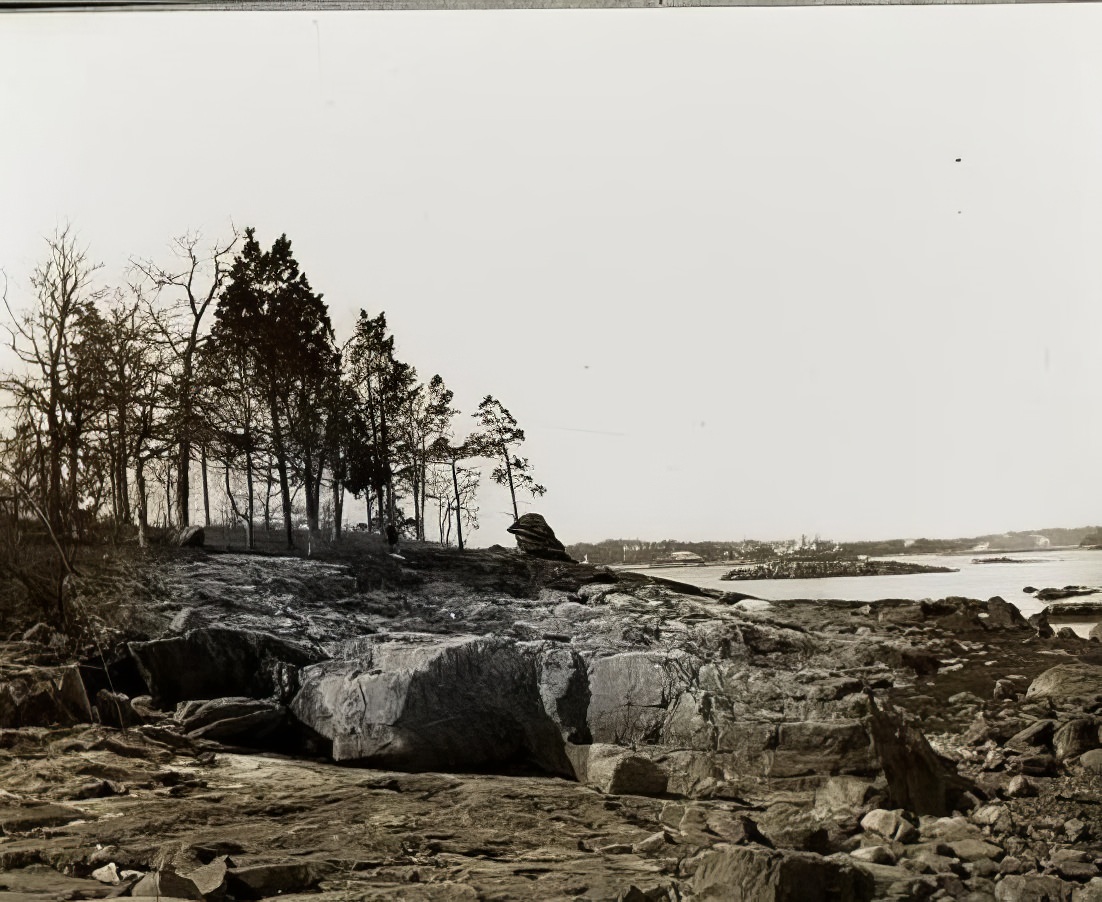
point(458, 508)
point(281, 467)
point(183, 483)
point(268, 497)
point(168, 496)
point(338, 508)
point(311, 487)
point(143, 510)
point(183, 456)
point(206, 488)
point(249, 503)
point(512, 491)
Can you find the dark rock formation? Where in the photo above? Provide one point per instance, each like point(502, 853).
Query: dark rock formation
point(42, 696)
point(536, 538)
point(246, 721)
point(189, 537)
point(215, 663)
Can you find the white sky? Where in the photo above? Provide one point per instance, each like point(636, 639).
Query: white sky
point(721, 264)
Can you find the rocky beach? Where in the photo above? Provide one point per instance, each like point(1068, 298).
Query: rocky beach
point(488, 725)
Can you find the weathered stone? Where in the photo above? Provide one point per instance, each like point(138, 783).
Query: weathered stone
point(889, 824)
point(1091, 892)
point(189, 537)
point(753, 874)
point(1075, 737)
point(617, 770)
point(1020, 787)
point(211, 877)
point(874, 854)
point(975, 849)
point(653, 844)
point(259, 881)
point(166, 883)
point(629, 696)
point(1032, 888)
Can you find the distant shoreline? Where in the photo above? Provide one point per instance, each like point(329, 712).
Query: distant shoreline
point(878, 557)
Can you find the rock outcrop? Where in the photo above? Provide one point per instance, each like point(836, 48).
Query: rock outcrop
point(536, 538)
point(717, 750)
point(213, 662)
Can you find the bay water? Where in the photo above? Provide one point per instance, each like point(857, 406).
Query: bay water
point(1054, 568)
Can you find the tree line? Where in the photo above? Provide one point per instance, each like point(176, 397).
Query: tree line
point(223, 364)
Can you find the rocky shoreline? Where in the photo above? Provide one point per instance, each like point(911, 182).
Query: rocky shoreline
point(532, 729)
point(783, 569)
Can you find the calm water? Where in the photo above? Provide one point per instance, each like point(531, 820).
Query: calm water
point(1043, 569)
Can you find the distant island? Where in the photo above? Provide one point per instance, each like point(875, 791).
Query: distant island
point(802, 569)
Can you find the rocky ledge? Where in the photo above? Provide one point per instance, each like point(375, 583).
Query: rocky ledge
point(533, 729)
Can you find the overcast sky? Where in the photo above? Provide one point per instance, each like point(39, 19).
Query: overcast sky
point(723, 265)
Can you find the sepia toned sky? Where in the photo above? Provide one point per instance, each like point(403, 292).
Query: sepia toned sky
point(737, 272)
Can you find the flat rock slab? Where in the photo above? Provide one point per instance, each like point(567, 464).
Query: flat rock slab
point(46, 884)
point(33, 817)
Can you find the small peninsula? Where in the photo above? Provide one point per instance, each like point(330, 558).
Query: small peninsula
point(821, 569)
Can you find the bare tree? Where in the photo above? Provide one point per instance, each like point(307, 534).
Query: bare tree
point(51, 396)
point(499, 435)
point(192, 287)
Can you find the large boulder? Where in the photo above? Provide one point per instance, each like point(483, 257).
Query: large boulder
point(215, 662)
point(536, 538)
point(755, 874)
point(1068, 685)
point(188, 537)
point(421, 702)
point(43, 696)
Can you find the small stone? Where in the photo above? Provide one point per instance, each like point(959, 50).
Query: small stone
point(1092, 761)
point(166, 882)
point(975, 849)
point(874, 855)
point(1036, 735)
point(109, 873)
point(656, 842)
point(881, 821)
point(1076, 830)
point(1080, 871)
point(1010, 865)
point(1020, 787)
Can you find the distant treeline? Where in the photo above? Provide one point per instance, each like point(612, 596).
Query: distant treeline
point(637, 551)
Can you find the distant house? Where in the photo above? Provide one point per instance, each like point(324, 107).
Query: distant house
point(686, 557)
